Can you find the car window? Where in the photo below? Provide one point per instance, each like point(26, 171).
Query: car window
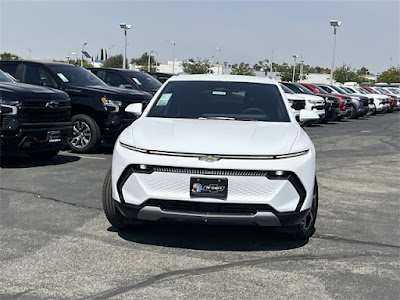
point(145, 81)
point(9, 68)
point(75, 75)
point(286, 89)
point(114, 79)
point(4, 77)
point(215, 99)
point(327, 89)
point(37, 75)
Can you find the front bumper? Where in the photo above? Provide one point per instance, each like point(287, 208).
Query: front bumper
point(158, 210)
point(34, 137)
point(169, 184)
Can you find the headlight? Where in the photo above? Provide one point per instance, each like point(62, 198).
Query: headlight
point(111, 105)
point(311, 101)
point(9, 102)
point(9, 107)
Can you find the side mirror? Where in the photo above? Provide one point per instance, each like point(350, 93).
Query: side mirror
point(135, 108)
point(308, 115)
point(125, 86)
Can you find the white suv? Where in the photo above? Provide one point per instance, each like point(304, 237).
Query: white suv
point(214, 148)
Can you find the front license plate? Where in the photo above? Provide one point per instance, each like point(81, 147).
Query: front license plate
point(54, 136)
point(209, 187)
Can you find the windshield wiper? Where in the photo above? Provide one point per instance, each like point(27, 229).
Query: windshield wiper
point(216, 118)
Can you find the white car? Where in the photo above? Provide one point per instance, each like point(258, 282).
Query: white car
point(311, 102)
point(215, 148)
point(380, 101)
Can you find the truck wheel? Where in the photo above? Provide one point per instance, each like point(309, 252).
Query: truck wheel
point(44, 155)
point(353, 114)
point(113, 215)
point(307, 226)
point(85, 134)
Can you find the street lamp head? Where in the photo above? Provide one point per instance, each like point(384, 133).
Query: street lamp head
point(173, 42)
point(84, 44)
point(295, 56)
point(125, 26)
point(335, 23)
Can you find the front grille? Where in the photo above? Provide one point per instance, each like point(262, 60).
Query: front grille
point(209, 171)
point(204, 207)
point(35, 111)
point(42, 103)
point(299, 104)
point(43, 116)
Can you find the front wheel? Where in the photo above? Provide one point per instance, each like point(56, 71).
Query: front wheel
point(306, 228)
point(113, 215)
point(85, 134)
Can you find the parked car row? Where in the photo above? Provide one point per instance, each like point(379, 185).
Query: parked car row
point(333, 102)
point(97, 110)
point(83, 109)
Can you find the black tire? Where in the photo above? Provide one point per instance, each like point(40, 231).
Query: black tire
point(113, 215)
point(44, 155)
point(307, 227)
point(353, 115)
point(85, 134)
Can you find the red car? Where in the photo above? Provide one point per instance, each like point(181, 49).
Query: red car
point(343, 100)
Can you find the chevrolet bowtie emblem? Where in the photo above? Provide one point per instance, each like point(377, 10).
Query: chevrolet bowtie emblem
point(52, 104)
point(209, 158)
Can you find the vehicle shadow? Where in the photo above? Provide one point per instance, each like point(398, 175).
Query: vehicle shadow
point(211, 237)
point(22, 161)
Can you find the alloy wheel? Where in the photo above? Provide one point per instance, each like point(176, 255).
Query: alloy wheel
point(81, 134)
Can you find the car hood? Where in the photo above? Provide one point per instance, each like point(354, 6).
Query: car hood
point(214, 136)
point(318, 99)
point(22, 91)
point(109, 91)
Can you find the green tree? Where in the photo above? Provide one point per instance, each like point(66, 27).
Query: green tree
point(391, 75)
point(115, 61)
point(8, 56)
point(143, 61)
point(197, 66)
point(242, 69)
point(344, 74)
point(363, 71)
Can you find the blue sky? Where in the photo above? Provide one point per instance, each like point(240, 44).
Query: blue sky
point(244, 30)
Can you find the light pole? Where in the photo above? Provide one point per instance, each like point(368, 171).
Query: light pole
point(335, 24)
point(173, 62)
point(219, 58)
point(272, 55)
point(294, 66)
point(125, 27)
point(83, 46)
point(30, 53)
point(148, 64)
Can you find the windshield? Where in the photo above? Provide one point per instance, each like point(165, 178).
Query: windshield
point(220, 100)
point(338, 89)
point(286, 89)
point(145, 81)
point(74, 75)
point(322, 91)
point(348, 90)
point(4, 77)
point(303, 89)
point(362, 91)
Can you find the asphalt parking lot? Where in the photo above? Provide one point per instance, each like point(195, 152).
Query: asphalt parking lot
point(57, 244)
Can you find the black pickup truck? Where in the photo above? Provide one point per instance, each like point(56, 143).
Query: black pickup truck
point(34, 120)
point(98, 110)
